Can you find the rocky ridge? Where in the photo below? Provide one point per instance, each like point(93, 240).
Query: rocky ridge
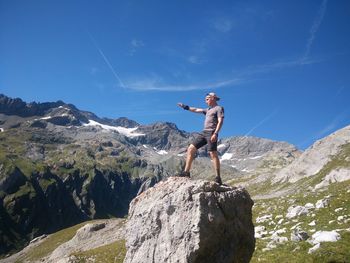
point(315, 158)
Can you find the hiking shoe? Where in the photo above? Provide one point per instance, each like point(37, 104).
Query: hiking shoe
point(218, 180)
point(185, 174)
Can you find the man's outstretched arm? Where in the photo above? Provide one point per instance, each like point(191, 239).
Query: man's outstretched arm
point(192, 109)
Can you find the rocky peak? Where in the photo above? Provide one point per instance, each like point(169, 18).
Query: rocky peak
point(183, 220)
point(57, 113)
point(18, 107)
point(8, 104)
point(162, 135)
point(123, 122)
point(160, 126)
point(248, 154)
point(244, 146)
point(315, 158)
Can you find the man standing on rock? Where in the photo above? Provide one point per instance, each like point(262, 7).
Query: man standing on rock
point(214, 119)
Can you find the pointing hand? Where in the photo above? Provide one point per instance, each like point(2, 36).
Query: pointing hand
point(185, 107)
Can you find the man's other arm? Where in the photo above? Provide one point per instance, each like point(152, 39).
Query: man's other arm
point(214, 137)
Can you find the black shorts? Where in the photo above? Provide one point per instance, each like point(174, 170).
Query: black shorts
point(203, 138)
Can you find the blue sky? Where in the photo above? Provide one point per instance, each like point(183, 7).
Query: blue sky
point(282, 68)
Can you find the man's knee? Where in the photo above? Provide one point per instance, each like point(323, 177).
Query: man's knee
point(191, 149)
point(213, 154)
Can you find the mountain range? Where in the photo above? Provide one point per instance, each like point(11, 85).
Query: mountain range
point(60, 166)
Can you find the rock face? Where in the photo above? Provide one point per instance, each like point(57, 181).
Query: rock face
point(183, 220)
point(315, 158)
point(251, 154)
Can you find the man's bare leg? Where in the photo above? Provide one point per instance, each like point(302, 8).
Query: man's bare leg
point(216, 162)
point(191, 152)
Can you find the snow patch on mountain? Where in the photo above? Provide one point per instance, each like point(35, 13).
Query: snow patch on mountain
point(61, 107)
point(226, 156)
point(221, 146)
point(128, 132)
point(255, 157)
point(162, 152)
point(45, 118)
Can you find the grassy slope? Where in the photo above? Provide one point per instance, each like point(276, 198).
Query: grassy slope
point(298, 251)
point(50, 244)
point(114, 252)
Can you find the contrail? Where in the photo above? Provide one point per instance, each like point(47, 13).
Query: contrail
point(315, 26)
point(106, 60)
point(262, 122)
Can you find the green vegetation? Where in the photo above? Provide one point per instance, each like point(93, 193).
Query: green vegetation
point(26, 191)
point(113, 253)
point(325, 219)
point(51, 243)
point(26, 166)
point(62, 156)
point(45, 183)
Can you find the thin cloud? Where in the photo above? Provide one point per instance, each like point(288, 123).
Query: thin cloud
point(339, 91)
point(156, 84)
point(267, 118)
point(277, 65)
point(314, 28)
point(223, 25)
point(194, 60)
point(106, 60)
point(94, 71)
point(135, 45)
point(101, 87)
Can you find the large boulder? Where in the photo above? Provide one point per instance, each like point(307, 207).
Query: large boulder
point(190, 221)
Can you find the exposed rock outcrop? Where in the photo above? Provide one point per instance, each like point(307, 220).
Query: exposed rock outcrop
point(183, 220)
point(18, 107)
point(315, 158)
